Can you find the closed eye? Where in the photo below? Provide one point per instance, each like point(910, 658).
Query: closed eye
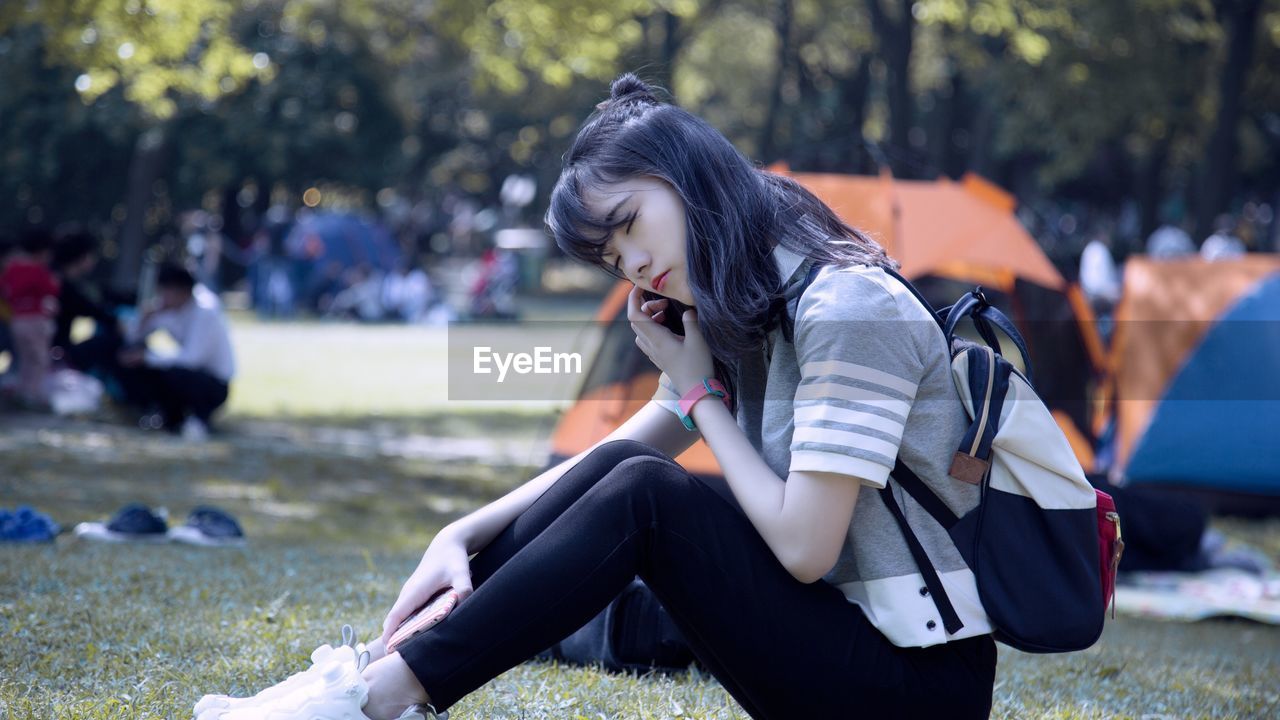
point(631, 220)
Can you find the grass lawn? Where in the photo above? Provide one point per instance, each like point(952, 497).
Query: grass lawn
point(340, 485)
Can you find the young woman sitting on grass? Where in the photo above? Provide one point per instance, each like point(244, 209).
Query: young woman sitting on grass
point(789, 577)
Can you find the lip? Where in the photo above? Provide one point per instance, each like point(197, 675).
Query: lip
point(660, 280)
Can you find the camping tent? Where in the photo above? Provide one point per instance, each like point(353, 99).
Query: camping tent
point(1195, 371)
point(347, 239)
point(947, 236)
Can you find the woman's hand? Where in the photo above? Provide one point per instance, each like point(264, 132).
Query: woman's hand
point(444, 564)
point(686, 360)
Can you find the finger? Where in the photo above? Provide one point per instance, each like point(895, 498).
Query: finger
point(634, 314)
point(400, 610)
point(690, 321)
point(643, 344)
point(462, 586)
point(654, 307)
point(389, 626)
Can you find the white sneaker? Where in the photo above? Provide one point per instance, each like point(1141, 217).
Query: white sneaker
point(338, 693)
point(194, 430)
point(349, 652)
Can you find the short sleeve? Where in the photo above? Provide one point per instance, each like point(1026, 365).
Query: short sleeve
point(859, 372)
point(666, 395)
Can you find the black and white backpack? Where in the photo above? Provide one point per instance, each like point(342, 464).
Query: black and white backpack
point(1042, 543)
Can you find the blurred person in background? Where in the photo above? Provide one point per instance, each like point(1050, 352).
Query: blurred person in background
point(75, 255)
point(407, 292)
point(31, 291)
point(362, 297)
point(1169, 241)
point(493, 294)
point(8, 246)
point(1222, 244)
point(204, 248)
point(186, 386)
point(1100, 279)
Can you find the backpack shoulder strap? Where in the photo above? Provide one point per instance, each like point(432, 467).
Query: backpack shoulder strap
point(793, 302)
point(950, 618)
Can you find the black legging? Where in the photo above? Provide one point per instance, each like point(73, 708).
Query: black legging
point(783, 648)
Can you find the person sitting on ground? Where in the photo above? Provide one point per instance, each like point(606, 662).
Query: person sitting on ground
point(31, 292)
point(189, 385)
point(789, 575)
point(75, 255)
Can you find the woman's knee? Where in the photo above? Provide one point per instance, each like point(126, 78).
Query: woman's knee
point(615, 452)
point(649, 476)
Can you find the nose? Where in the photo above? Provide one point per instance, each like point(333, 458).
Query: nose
point(635, 262)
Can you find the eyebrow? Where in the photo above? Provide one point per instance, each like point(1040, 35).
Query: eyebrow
point(608, 218)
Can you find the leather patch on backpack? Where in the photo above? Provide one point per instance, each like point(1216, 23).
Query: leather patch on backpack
point(967, 468)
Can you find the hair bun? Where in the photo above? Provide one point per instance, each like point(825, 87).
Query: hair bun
point(629, 89)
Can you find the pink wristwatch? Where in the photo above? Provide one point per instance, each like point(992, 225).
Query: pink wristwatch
point(708, 386)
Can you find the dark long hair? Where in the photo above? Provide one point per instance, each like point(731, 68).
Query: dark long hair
point(735, 213)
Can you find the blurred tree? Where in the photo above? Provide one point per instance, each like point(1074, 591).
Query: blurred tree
point(61, 159)
point(214, 103)
point(1219, 172)
point(156, 51)
point(1069, 90)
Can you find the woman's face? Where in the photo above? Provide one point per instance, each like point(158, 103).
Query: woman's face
point(649, 250)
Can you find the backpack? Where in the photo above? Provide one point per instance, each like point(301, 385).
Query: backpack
point(1043, 544)
point(633, 633)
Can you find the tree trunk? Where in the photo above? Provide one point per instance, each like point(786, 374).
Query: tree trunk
point(144, 170)
point(783, 25)
point(853, 100)
point(1219, 177)
point(944, 124)
point(1149, 190)
point(671, 42)
point(895, 36)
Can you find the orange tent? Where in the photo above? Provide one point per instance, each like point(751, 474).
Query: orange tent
point(965, 230)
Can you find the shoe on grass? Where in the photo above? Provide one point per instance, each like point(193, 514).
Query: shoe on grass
point(26, 524)
point(336, 692)
point(210, 527)
point(134, 522)
point(349, 652)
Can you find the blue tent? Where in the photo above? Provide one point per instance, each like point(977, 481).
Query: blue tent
point(1217, 426)
point(345, 238)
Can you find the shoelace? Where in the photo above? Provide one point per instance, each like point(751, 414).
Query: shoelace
point(349, 639)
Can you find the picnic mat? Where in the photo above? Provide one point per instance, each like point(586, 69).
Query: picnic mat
point(1195, 596)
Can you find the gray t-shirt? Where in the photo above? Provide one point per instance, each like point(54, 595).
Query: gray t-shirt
point(868, 378)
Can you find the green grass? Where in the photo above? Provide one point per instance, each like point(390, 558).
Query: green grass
point(339, 498)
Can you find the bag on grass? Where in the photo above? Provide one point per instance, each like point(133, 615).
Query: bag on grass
point(1042, 543)
point(634, 632)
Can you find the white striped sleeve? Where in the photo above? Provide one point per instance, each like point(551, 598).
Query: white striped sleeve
point(859, 372)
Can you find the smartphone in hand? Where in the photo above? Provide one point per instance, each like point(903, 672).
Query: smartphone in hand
point(671, 316)
point(435, 610)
